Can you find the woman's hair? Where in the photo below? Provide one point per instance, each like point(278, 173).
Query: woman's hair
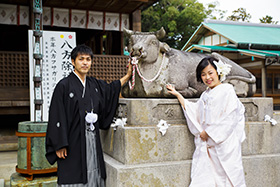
point(81, 50)
point(202, 64)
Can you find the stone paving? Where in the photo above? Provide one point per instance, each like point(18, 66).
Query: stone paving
point(8, 162)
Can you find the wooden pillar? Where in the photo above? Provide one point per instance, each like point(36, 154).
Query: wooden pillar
point(263, 71)
point(101, 43)
point(136, 20)
point(122, 41)
point(31, 15)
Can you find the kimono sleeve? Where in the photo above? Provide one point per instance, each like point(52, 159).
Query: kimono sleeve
point(110, 100)
point(224, 117)
point(56, 136)
point(191, 113)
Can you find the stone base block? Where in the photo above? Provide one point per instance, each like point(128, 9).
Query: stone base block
point(38, 181)
point(259, 171)
point(261, 138)
point(171, 174)
point(262, 170)
point(150, 111)
point(145, 144)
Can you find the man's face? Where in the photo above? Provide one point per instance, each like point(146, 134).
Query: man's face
point(82, 64)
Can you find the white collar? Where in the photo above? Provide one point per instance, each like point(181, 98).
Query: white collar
point(83, 83)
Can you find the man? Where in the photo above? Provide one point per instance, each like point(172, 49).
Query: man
point(81, 106)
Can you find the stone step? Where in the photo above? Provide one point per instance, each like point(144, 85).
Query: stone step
point(8, 143)
point(145, 144)
point(260, 171)
point(8, 146)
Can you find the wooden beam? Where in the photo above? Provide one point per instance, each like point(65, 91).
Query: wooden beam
point(78, 2)
point(257, 64)
point(109, 3)
point(210, 33)
point(248, 60)
point(93, 3)
point(122, 7)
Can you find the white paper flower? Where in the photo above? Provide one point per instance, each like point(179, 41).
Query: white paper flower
point(273, 122)
point(163, 126)
point(223, 69)
point(267, 118)
point(119, 122)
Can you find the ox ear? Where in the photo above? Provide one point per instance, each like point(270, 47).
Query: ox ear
point(128, 32)
point(164, 47)
point(160, 33)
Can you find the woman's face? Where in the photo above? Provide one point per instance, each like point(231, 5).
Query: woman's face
point(210, 76)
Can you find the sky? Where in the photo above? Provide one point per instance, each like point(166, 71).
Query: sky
point(257, 8)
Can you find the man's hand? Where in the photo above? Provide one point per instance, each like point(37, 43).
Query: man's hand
point(204, 136)
point(125, 78)
point(61, 153)
point(129, 68)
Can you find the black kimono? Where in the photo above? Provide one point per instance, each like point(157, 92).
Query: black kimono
point(66, 126)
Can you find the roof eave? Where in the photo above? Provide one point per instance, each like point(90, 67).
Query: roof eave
point(192, 37)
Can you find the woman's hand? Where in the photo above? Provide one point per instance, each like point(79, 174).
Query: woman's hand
point(171, 89)
point(204, 136)
point(61, 153)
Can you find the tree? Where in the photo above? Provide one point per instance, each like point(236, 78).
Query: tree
point(213, 13)
point(240, 14)
point(180, 18)
point(268, 19)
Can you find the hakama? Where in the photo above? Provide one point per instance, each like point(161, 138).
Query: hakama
point(93, 171)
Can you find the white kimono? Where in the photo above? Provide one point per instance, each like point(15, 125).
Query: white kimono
point(220, 113)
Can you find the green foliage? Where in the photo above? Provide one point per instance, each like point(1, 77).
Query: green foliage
point(213, 13)
point(268, 19)
point(240, 14)
point(179, 18)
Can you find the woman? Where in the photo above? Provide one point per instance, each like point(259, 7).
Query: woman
point(217, 122)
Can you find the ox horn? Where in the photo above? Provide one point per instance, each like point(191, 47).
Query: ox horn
point(127, 32)
point(160, 33)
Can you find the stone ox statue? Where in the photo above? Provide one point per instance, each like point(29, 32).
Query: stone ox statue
point(158, 65)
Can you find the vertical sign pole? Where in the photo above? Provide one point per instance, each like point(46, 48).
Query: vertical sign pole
point(37, 55)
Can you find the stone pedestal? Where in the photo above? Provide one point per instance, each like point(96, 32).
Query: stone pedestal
point(41, 181)
point(138, 154)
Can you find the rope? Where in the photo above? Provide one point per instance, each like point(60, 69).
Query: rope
point(134, 63)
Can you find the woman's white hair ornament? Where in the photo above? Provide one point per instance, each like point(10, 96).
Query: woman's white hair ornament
point(223, 69)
